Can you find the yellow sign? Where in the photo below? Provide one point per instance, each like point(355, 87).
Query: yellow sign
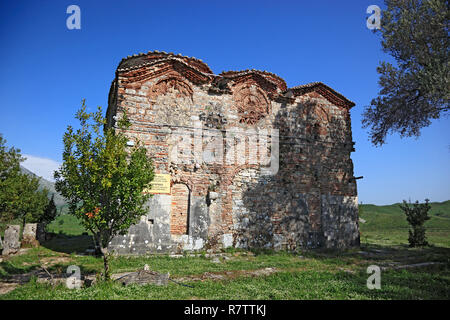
point(160, 184)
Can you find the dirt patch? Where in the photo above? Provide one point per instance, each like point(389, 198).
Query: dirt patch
point(51, 261)
point(42, 275)
point(7, 287)
point(18, 253)
point(15, 280)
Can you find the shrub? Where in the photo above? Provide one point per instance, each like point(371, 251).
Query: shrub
point(416, 216)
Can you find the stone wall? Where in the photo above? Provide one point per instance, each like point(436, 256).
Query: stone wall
point(252, 162)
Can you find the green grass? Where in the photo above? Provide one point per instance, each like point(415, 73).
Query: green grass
point(302, 285)
point(66, 224)
point(316, 274)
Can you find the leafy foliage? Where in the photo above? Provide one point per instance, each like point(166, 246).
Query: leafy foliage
point(10, 159)
point(20, 197)
point(50, 212)
point(29, 203)
point(416, 216)
point(415, 33)
point(101, 179)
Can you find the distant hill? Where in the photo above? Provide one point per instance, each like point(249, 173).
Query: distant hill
point(388, 225)
point(50, 186)
point(440, 209)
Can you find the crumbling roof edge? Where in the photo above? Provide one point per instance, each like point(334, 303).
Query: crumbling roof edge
point(308, 87)
point(239, 73)
point(269, 76)
point(166, 56)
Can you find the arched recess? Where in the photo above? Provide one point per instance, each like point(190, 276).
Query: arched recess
point(172, 97)
point(251, 103)
point(318, 121)
point(169, 84)
point(180, 209)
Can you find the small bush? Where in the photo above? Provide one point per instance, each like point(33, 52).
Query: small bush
point(416, 215)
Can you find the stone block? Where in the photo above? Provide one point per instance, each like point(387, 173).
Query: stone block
point(144, 277)
point(227, 240)
point(29, 232)
point(30, 235)
point(11, 243)
point(213, 195)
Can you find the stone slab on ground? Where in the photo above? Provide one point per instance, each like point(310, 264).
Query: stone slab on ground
point(42, 276)
point(231, 274)
point(143, 277)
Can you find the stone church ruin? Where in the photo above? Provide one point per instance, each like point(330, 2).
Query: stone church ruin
point(241, 159)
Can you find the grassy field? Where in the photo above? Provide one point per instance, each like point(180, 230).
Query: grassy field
point(387, 225)
point(255, 274)
point(66, 224)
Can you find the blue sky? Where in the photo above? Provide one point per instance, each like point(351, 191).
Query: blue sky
point(47, 70)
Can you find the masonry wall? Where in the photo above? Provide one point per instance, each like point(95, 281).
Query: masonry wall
point(221, 197)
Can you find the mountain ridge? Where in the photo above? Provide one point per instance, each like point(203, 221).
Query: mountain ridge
point(50, 186)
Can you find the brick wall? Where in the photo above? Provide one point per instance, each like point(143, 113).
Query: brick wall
point(309, 201)
point(179, 209)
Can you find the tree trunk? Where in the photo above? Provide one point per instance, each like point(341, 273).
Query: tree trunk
point(106, 273)
point(24, 221)
point(103, 247)
point(97, 250)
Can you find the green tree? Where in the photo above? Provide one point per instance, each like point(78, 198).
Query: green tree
point(415, 33)
point(29, 202)
point(50, 212)
point(416, 216)
point(10, 159)
point(103, 179)
point(20, 197)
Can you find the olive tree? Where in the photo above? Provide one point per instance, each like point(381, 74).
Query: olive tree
point(415, 90)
